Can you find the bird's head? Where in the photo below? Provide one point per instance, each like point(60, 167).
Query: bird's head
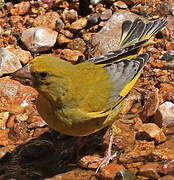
point(41, 71)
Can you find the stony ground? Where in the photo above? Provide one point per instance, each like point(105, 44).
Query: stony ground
point(76, 30)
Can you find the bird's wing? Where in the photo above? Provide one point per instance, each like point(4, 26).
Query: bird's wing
point(122, 75)
point(134, 35)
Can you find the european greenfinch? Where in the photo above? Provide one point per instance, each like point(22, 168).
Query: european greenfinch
point(81, 99)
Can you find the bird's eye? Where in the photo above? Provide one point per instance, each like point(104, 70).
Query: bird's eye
point(43, 75)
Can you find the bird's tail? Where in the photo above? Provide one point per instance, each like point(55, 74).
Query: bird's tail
point(134, 35)
point(138, 32)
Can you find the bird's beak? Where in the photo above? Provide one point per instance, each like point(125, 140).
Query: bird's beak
point(23, 75)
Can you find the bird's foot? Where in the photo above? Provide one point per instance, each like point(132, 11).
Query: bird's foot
point(105, 161)
point(107, 158)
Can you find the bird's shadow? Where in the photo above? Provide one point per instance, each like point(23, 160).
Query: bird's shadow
point(48, 155)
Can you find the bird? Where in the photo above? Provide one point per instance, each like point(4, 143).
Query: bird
point(81, 99)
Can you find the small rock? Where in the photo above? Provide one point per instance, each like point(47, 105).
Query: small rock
point(89, 161)
point(149, 170)
point(35, 118)
point(109, 171)
point(106, 14)
point(39, 39)
point(125, 175)
point(170, 45)
point(9, 62)
point(16, 21)
point(124, 137)
point(38, 124)
point(168, 95)
point(67, 33)
point(137, 151)
point(120, 4)
point(62, 40)
point(170, 29)
point(168, 177)
point(78, 24)
point(40, 131)
point(149, 131)
point(77, 44)
point(93, 20)
point(69, 15)
point(3, 119)
point(87, 36)
point(94, 2)
point(75, 174)
point(11, 122)
point(19, 131)
point(59, 25)
point(166, 167)
point(15, 97)
point(72, 56)
point(4, 137)
point(168, 55)
point(165, 87)
point(151, 105)
point(20, 8)
point(164, 116)
point(48, 20)
point(3, 151)
point(21, 117)
point(163, 151)
point(23, 56)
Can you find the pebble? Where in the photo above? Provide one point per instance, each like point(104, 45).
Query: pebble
point(78, 24)
point(4, 137)
point(67, 33)
point(151, 105)
point(94, 2)
point(16, 21)
point(72, 55)
point(164, 116)
point(9, 62)
point(38, 124)
point(77, 44)
point(40, 131)
point(48, 20)
point(163, 151)
point(23, 56)
point(149, 170)
point(15, 97)
point(120, 4)
point(106, 14)
point(69, 15)
point(11, 121)
point(165, 168)
point(168, 177)
point(169, 55)
point(125, 175)
point(148, 131)
point(109, 171)
point(93, 20)
point(20, 8)
point(39, 39)
point(3, 151)
point(19, 132)
point(89, 161)
point(3, 119)
point(59, 25)
point(137, 152)
point(75, 174)
point(63, 40)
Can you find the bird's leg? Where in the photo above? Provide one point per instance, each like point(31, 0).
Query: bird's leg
point(108, 157)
